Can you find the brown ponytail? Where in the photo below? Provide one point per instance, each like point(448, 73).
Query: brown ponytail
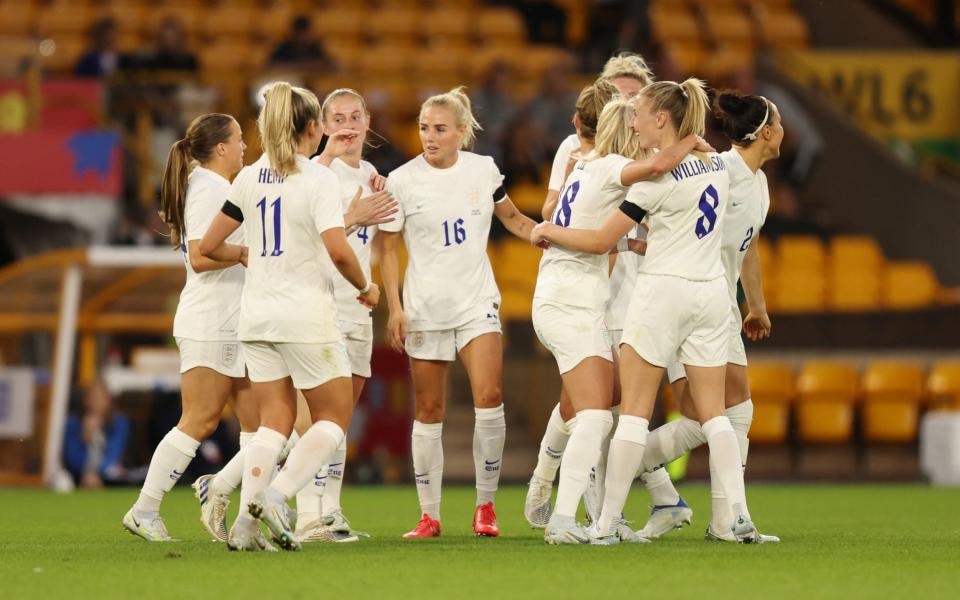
point(203, 135)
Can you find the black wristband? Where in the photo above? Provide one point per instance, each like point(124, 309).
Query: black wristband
point(633, 211)
point(499, 194)
point(232, 210)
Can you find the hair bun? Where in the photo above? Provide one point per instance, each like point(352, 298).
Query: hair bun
point(733, 103)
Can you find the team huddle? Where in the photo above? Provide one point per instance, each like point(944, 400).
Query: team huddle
point(647, 231)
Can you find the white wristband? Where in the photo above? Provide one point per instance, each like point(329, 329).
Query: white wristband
point(366, 288)
point(622, 245)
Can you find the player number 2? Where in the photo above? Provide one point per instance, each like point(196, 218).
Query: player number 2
point(709, 201)
point(459, 233)
point(746, 241)
point(276, 226)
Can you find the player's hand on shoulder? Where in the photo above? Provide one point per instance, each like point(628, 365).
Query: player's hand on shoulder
point(703, 145)
point(371, 298)
point(378, 182)
point(378, 207)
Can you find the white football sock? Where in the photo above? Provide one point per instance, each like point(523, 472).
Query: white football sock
point(552, 445)
point(314, 450)
point(725, 466)
point(334, 479)
point(626, 455)
point(288, 447)
point(169, 461)
point(583, 451)
point(427, 448)
point(231, 474)
point(310, 498)
point(741, 416)
point(489, 433)
point(259, 466)
point(661, 489)
point(600, 471)
point(670, 441)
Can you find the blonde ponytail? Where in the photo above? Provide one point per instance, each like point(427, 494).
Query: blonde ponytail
point(614, 133)
point(457, 101)
point(686, 103)
point(287, 111)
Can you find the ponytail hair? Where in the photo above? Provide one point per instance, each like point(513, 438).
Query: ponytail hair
point(590, 104)
point(457, 101)
point(742, 116)
point(627, 64)
point(686, 103)
point(197, 145)
point(614, 132)
point(287, 111)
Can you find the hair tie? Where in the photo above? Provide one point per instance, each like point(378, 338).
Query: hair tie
point(766, 115)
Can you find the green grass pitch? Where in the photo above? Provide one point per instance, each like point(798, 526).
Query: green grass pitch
point(838, 542)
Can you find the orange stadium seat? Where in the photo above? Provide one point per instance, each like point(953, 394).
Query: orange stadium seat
point(19, 17)
point(771, 388)
point(68, 49)
point(729, 27)
point(127, 15)
point(728, 60)
point(801, 251)
point(943, 385)
point(853, 290)
point(856, 251)
point(891, 395)
point(339, 23)
point(517, 263)
point(675, 25)
point(228, 20)
point(64, 17)
point(448, 66)
point(784, 30)
point(528, 197)
point(536, 60)
point(447, 27)
point(686, 56)
point(909, 285)
point(232, 53)
point(827, 392)
point(394, 26)
point(799, 289)
point(273, 25)
point(389, 62)
point(500, 26)
point(188, 14)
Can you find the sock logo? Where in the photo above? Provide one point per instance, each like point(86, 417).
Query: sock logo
point(176, 475)
point(422, 479)
point(553, 453)
point(491, 465)
point(335, 471)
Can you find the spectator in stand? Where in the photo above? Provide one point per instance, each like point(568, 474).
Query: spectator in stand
point(171, 52)
point(302, 48)
point(550, 109)
point(96, 440)
point(494, 110)
point(102, 58)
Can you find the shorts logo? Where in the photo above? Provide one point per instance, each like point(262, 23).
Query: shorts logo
point(416, 340)
point(228, 354)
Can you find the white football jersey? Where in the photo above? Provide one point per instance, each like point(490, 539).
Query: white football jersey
point(288, 293)
point(623, 278)
point(746, 213)
point(685, 210)
point(445, 217)
point(361, 240)
point(591, 192)
point(209, 306)
point(558, 172)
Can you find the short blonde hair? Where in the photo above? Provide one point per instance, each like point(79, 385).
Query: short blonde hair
point(627, 64)
point(457, 101)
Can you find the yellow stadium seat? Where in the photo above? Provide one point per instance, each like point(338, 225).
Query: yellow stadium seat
point(784, 30)
point(394, 26)
point(729, 27)
point(516, 304)
point(528, 197)
point(446, 65)
point(536, 60)
point(447, 27)
point(390, 62)
point(500, 25)
point(517, 265)
point(675, 25)
point(188, 14)
point(273, 25)
point(19, 17)
point(64, 17)
point(799, 289)
point(771, 388)
point(891, 394)
point(727, 60)
point(826, 395)
point(850, 289)
point(804, 251)
point(855, 251)
point(232, 53)
point(335, 23)
point(943, 385)
point(228, 20)
point(686, 56)
point(909, 285)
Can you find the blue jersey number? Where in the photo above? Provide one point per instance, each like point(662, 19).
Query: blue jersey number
point(459, 233)
point(363, 235)
point(709, 201)
point(562, 215)
point(746, 241)
point(276, 226)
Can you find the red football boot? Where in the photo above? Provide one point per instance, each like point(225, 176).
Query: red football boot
point(426, 528)
point(485, 521)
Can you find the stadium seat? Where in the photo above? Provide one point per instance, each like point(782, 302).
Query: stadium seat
point(227, 20)
point(891, 401)
point(536, 60)
point(803, 251)
point(228, 54)
point(850, 289)
point(19, 17)
point(943, 385)
point(909, 285)
point(675, 25)
point(784, 31)
point(517, 265)
point(64, 18)
point(273, 25)
point(516, 304)
point(390, 62)
point(528, 197)
point(500, 26)
point(728, 27)
point(798, 289)
point(127, 15)
point(448, 67)
point(447, 27)
point(187, 13)
point(68, 49)
point(686, 56)
point(771, 388)
point(855, 252)
point(394, 26)
point(728, 60)
point(826, 394)
point(337, 23)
